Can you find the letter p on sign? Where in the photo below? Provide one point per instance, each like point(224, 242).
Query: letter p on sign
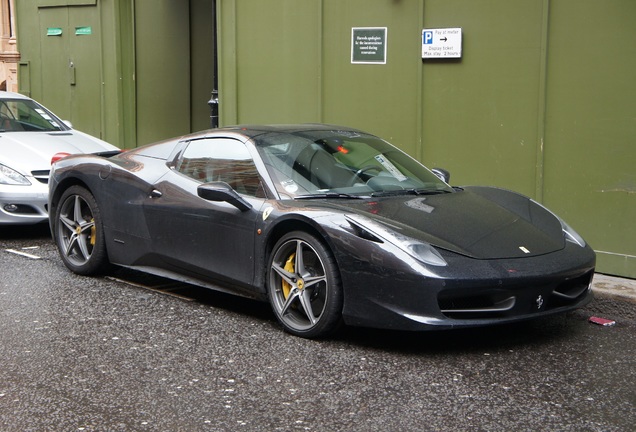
point(427, 38)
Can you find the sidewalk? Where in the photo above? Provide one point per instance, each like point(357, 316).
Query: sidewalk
point(614, 287)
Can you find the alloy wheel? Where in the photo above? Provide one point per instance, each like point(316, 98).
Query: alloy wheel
point(76, 230)
point(300, 288)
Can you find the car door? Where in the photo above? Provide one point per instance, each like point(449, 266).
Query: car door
point(200, 237)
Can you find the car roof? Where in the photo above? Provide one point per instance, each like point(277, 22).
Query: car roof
point(12, 95)
point(252, 131)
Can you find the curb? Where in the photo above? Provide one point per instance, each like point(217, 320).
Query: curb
point(614, 287)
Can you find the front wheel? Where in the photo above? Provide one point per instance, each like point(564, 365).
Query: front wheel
point(304, 286)
point(78, 232)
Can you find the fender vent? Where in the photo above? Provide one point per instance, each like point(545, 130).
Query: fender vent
point(41, 176)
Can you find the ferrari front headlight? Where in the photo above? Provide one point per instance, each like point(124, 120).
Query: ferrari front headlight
point(10, 176)
point(419, 250)
point(426, 253)
point(571, 235)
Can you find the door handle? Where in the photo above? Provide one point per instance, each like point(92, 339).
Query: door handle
point(155, 194)
point(71, 74)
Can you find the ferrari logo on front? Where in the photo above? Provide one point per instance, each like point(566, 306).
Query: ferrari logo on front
point(539, 302)
point(267, 212)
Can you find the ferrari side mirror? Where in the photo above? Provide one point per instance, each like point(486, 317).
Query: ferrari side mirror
point(222, 192)
point(442, 174)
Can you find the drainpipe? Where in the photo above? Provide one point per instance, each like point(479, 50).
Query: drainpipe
point(543, 79)
point(214, 101)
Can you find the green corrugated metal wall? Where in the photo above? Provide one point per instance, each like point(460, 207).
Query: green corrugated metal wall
point(541, 102)
point(590, 151)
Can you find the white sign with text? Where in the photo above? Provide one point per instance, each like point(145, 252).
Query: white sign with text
point(442, 43)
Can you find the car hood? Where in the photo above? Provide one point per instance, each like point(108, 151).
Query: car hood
point(484, 223)
point(32, 151)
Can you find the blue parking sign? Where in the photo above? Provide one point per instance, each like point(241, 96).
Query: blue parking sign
point(427, 37)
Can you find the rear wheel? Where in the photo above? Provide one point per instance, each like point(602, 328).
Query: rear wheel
point(304, 286)
point(78, 232)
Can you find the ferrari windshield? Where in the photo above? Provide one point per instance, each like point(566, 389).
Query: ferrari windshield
point(24, 115)
point(342, 164)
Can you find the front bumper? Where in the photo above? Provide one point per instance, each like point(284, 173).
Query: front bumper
point(23, 205)
point(467, 292)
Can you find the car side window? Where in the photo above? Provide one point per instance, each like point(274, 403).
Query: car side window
point(222, 159)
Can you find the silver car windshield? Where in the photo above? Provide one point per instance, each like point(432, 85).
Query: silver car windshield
point(342, 164)
point(24, 115)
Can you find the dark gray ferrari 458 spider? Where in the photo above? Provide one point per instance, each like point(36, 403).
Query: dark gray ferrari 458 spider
point(331, 225)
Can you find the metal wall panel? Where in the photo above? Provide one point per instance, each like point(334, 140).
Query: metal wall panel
point(270, 61)
point(540, 102)
point(590, 148)
point(481, 114)
point(383, 98)
point(162, 61)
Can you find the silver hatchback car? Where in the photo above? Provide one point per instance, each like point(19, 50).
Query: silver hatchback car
point(30, 135)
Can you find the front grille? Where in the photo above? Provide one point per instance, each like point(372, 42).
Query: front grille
point(570, 291)
point(513, 300)
point(488, 304)
point(41, 176)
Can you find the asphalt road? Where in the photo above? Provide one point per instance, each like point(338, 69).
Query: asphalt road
point(101, 354)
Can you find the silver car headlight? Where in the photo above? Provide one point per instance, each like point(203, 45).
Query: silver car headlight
point(419, 250)
point(10, 176)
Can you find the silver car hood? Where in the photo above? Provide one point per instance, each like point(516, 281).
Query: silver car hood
point(32, 151)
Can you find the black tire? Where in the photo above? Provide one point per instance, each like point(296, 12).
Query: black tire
point(304, 286)
point(79, 233)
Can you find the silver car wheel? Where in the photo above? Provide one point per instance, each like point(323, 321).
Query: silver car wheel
point(78, 232)
point(304, 286)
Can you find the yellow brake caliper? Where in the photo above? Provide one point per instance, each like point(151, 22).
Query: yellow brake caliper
point(289, 267)
point(93, 231)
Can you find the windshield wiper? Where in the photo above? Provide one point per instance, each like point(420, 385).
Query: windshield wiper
point(329, 195)
point(432, 191)
point(410, 192)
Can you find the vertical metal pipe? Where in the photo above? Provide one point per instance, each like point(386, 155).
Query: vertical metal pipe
point(214, 100)
point(543, 78)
